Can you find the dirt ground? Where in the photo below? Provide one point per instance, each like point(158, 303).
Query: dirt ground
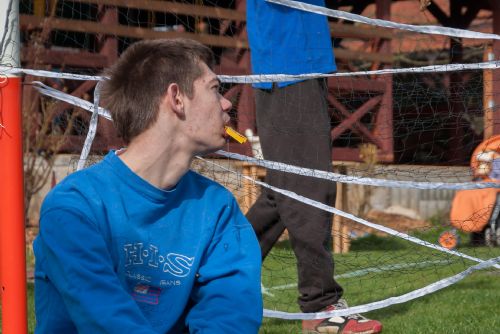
point(396, 222)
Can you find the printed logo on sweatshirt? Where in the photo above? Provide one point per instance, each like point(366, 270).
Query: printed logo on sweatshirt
point(146, 294)
point(177, 265)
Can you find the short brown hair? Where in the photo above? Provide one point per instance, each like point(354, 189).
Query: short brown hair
point(141, 76)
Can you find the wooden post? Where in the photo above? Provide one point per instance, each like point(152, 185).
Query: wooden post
point(341, 241)
point(495, 74)
point(383, 127)
point(488, 102)
point(337, 221)
point(249, 188)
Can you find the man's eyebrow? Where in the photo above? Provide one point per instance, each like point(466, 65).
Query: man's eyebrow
point(216, 79)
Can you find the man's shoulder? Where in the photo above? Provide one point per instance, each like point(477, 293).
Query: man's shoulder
point(75, 190)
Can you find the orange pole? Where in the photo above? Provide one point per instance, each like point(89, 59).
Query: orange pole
point(12, 233)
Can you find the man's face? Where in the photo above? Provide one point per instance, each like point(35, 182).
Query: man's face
point(207, 113)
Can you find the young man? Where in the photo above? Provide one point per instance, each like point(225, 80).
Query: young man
point(138, 243)
point(294, 127)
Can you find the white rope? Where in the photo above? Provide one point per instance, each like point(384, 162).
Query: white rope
point(335, 177)
point(352, 217)
point(441, 284)
point(257, 78)
point(76, 101)
point(92, 128)
point(380, 304)
point(48, 74)
point(452, 32)
point(364, 222)
point(433, 30)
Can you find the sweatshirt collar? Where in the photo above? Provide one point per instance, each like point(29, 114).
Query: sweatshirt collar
point(135, 181)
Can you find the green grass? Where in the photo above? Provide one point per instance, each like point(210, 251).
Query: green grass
point(470, 306)
point(392, 268)
point(31, 308)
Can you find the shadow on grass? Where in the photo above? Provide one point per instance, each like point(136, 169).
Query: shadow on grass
point(373, 242)
point(365, 243)
point(388, 312)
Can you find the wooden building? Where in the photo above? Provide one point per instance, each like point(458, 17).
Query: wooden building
point(85, 36)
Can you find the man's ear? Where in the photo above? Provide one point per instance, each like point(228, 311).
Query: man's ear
point(175, 99)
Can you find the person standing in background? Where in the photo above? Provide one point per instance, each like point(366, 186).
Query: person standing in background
point(294, 128)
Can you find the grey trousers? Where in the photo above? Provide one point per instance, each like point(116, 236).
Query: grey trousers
point(294, 128)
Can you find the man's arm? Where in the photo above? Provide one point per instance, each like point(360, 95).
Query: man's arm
point(227, 296)
point(78, 263)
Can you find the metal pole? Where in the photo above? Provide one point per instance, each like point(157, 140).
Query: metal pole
point(12, 232)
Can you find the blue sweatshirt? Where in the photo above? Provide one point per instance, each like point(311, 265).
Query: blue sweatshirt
point(118, 255)
point(286, 40)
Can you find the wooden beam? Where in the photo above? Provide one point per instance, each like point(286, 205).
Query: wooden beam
point(84, 87)
point(174, 8)
point(344, 54)
point(439, 14)
point(72, 144)
point(339, 30)
point(492, 125)
point(351, 84)
point(469, 15)
point(62, 57)
point(488, 99)
point(357, 127)
point(234, 147)
point(355, 117)
point(232, 69)
point(342, 30)
point(338, 238)
point(346, 154)
point(30, 21)
point(352, 154)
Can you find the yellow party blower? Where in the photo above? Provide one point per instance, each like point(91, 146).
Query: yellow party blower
point(235, 135)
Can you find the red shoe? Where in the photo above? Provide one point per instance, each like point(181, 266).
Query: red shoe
point(349, 324)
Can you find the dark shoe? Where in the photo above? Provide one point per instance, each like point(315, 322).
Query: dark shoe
point(349, 324)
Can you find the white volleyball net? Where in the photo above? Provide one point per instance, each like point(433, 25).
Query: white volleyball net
point(410, 128)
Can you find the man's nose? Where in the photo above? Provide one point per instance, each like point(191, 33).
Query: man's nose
point(225, 104)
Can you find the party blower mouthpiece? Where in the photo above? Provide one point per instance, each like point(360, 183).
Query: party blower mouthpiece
point(235, 135)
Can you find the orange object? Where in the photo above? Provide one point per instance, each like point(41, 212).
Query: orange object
point(448, 239)
point(12, 237)
point(235, 135)
point(489, 145)
point(471, 209)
